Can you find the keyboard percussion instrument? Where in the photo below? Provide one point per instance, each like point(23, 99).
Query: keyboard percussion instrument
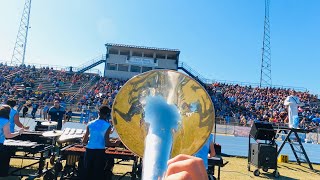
point(19, 149)
point(114, 152)
point(58, 145)
point(71, 134)
point(51, 134)
point(24, 146)
point(34, 136)
point(49, 123)
point(32, 145)
point(75, 153)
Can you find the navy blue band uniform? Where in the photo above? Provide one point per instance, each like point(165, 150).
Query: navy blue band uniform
point(57, 115)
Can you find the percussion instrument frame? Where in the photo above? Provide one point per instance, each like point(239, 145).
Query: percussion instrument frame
point(64, 153)
point(33, 154)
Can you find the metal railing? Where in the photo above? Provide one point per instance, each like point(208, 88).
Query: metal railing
point(13, 74)
point(181, 64)
point(82, 88)
point(210, 81)
point(54, 67)
point(88, 63)
point(192, 71)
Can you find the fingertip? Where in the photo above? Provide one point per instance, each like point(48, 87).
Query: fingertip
point(179, 157)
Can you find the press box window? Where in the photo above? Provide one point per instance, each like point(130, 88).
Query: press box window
point(172, 56)
point(148, 55)
point(122, 67)
point(111, 66)
point(145, 69)
point(113, 51)
point(124, 52)
point(137, 53)
point(135, 69)
point(160, 56)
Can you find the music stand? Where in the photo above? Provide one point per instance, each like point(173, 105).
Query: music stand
point(217, 160)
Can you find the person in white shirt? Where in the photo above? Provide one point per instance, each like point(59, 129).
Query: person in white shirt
point(293, 102)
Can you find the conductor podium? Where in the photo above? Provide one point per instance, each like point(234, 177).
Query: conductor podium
point(263, 153)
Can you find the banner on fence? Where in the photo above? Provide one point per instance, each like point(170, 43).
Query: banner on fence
point(241, 131)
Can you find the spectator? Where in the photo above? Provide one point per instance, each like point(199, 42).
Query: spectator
point(45, 111)
point(35, 106)
point(25, 110)
point(69, 115)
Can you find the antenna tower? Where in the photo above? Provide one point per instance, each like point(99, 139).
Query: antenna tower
point(265, 76)
point(19, 51)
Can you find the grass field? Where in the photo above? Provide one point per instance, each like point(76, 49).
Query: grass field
point(235, 169)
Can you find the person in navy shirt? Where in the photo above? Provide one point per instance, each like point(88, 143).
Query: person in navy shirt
point(57, 113)
point(97, 138)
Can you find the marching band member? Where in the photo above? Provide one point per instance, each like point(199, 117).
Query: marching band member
point(14, 116)
point(5, 133)
point(204, 154)
point(97, 137)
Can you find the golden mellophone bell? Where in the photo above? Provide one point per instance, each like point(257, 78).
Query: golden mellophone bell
point(136, 121)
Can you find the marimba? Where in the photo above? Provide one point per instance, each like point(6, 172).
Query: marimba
point(112, 152)
point(31, 150)
point(34, 136)
point(75, 153)
point(23, 146)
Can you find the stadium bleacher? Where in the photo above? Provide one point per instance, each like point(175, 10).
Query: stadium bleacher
point(233, 103)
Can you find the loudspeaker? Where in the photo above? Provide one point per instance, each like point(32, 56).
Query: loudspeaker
point(262, 131)
point(264, 155)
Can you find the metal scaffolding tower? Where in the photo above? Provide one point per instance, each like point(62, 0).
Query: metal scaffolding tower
point(19, 51)
point(265, 77)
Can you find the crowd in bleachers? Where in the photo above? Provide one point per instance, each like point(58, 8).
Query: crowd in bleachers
point(240, 104)
point(103, 92)
point(18, 82)
point(243, 104)
point(246, 104)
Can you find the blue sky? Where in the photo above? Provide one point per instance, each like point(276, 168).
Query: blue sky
point(221, 39)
